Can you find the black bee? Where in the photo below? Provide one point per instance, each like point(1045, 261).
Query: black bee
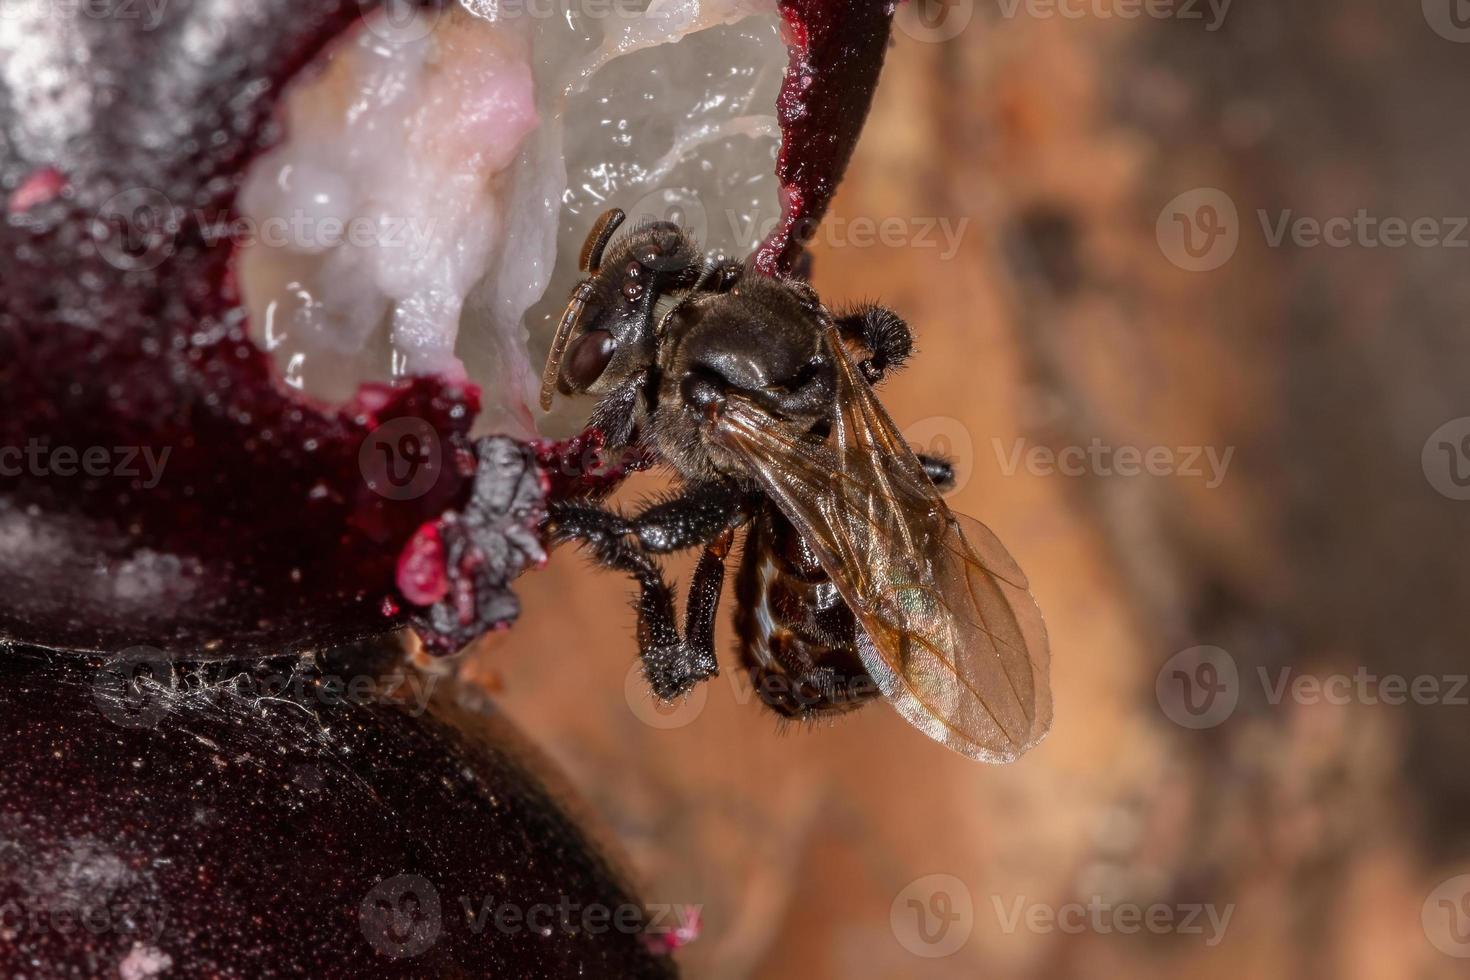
point(856, 579)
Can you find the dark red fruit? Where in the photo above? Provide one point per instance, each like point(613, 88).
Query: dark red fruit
point(837, 53)
point(284, 820)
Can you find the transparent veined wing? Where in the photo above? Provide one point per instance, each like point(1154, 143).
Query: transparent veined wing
point(953, 637)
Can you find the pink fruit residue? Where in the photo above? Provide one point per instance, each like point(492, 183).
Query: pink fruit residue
point(684, 932)
point(423, 578)
point(41, 186)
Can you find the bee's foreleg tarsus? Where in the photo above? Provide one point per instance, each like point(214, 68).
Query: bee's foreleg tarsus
point(883, 333)
point(675, 664)
point(939, 470)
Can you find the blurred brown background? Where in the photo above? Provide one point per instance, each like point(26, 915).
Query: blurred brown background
point(1070, 311)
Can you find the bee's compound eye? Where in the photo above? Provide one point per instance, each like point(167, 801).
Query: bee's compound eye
point(587, 359)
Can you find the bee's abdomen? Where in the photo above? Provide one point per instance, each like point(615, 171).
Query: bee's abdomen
point(797, 637)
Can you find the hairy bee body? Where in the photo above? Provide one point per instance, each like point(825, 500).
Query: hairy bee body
point(856, 579)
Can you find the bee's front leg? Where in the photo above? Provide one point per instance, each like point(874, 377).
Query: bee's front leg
point(703, 515)
point(674, 664)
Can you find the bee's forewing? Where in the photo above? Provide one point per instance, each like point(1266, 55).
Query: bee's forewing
point(953, 637)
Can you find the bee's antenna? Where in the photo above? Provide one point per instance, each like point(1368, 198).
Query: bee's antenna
point(597, 239)
point(589, 262)
point(569, 318)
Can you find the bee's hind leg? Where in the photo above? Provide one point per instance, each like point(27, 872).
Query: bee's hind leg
point(939, 470)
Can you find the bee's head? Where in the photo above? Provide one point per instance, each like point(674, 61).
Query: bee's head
point(614, 310)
